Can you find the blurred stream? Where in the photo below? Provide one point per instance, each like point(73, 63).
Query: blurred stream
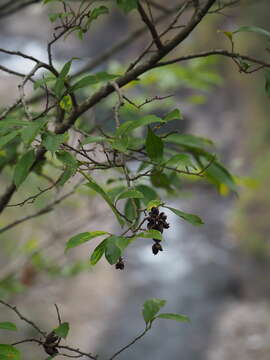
point(194, 274)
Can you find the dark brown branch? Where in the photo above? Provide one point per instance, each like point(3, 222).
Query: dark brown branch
point(214, 52)
point(121, 81)
point(150, 26)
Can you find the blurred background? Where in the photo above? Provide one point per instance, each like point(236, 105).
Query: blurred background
point(216, 274)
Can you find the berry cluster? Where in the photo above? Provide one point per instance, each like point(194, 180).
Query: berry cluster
point(120, 264)
point(157, 221)
point(51, 343)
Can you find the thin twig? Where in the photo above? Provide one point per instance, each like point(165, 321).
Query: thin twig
point(31, 323)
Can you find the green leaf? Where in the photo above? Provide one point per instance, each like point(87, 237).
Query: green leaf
point(48, 1)
point(218, 174)
point(120, 143)
point(160, 180)
point(71, 165)
point(130, 125)
point(150, 234)
point(23, 167)
point(173, 115)
point(129, 194)
point(94, 186)
point(66, 103)
point(54, 16)
point(9, 352)
point(9, 123)
point(193, 219)
point(8, 326)
point(112, 250)
point(154, 146)
point(176, 317)
point(82, 238)
point(7, 138)
point(98, 252)
point(153, 203)
point(148, 193)
point(130, 211)
point(62, 330)
point(254, 29)
point(65, 69)
point(151, 308)
point(93, 139)
point(92, 80)
point(52, 141)
point(187, 140)
point(32, 130)
point(96, 12)
point(182, 160)
point(127, 5)
point(59, 85)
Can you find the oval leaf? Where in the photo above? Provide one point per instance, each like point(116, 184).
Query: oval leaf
point(9, 352)
point(112, 251)
point(151, 307)
point(176, 317)
point(8, 326)
point(98, 252)
point(130, 194)
point(82, 238)
point(154, 146)
point(193, 219)
point(153, 203)
point(150, 234)
point(62, 330)
point(23, 167)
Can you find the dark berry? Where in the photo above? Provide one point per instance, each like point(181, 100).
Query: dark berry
point(156, 248)
point(120, 264)
point(154, 211)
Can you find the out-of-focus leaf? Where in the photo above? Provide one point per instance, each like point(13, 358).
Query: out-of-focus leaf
point(148, 193)
point(154, 146)
point(127, 5)
point(32, 130)
point(8, 326)
point(153, 203)
point(97, 188)
point(71, 165)
point(131, 125)
point(92, 80)
point(9, 352)
point(7, 138)
point(254, 29)
point(176, 317)
point(150, 234)
point(173, 115)
point(23, 167)
point(188, 140)
point(129, 194)
point(52, 141)
point(93, 139)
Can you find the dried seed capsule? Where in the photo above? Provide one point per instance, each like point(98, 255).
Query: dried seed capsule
point(50, 350)
point(120, 264)
point(156, 248)
point(154, 211)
